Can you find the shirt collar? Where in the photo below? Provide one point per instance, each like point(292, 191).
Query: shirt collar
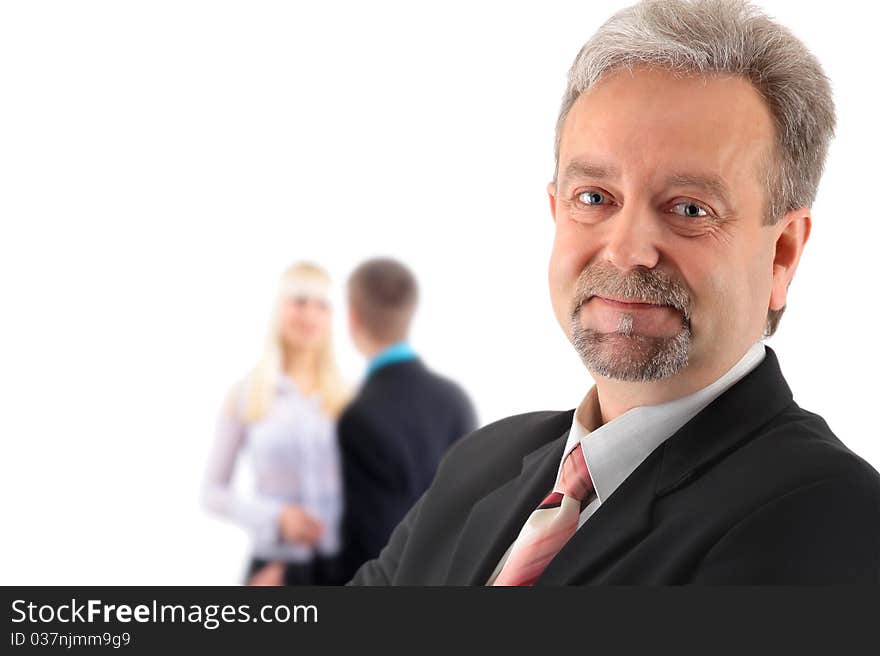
point(399, 352)
point(614, 450)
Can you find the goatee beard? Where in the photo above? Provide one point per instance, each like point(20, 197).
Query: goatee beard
point(622, 354)
point(634, 358)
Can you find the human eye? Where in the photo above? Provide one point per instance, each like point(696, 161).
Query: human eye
point(591, 198)
point(690, 209)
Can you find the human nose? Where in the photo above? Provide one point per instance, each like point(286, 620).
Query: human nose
point(631, 240)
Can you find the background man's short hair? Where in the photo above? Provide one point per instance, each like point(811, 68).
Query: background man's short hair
point(384, 294)
point(731, 37)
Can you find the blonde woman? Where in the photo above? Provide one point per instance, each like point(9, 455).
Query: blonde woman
point(282, 417)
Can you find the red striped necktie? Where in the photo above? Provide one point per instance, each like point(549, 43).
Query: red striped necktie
point(550, 526)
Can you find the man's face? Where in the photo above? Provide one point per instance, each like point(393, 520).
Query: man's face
point(661, 258)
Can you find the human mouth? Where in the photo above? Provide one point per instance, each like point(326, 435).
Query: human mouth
point(628, 304)
point(629, 316)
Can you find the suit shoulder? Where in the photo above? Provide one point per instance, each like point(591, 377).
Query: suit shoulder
point(805, 440)
point(795, 450)
point(449, 388)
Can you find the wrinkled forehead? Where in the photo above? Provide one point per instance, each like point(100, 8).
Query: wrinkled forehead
point(647, 120)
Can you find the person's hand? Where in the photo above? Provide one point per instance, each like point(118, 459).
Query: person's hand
point(298, 526)
point(271, 574)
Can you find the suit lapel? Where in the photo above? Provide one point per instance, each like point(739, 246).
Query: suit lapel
point(495, 520)
point(724, 424)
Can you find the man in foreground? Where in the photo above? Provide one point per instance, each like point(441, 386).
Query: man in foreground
point(690, 145)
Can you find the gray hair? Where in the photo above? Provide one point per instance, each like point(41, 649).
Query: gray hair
point(725, 37)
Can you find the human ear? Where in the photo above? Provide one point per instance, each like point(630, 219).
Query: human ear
point(792, 233)
point(551, 192)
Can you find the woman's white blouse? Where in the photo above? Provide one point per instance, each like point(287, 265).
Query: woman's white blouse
point(294, 456)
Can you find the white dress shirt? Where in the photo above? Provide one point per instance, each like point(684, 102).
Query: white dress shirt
point(294, 457)
point(614, 450)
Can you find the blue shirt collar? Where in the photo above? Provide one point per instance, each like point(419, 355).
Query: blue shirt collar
point(399, 352)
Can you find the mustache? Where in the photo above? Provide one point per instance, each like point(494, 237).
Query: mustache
point(640, 285)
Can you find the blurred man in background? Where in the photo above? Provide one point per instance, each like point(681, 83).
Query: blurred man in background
point(405, 417)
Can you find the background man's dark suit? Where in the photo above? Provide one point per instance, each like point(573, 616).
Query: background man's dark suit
point(753, 490)
point(392, 438)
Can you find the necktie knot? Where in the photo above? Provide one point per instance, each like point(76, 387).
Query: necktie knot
point(550, 526)
point(575, 480)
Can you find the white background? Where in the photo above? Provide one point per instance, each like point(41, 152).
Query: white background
point(162, 162)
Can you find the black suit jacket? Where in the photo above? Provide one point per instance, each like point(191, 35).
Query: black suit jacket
point(392, 438)
point(753, 490)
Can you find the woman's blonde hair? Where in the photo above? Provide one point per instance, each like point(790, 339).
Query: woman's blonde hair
point(259, 385)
